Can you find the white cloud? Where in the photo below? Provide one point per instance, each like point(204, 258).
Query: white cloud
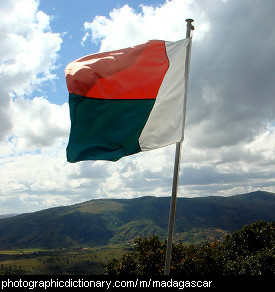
point(37, 123)
point(32, 131)
point(126, 27)
point(28, 53)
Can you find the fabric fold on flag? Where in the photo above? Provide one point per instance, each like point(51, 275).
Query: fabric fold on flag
point(126, 101)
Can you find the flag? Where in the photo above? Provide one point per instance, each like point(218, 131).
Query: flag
point(126, 101)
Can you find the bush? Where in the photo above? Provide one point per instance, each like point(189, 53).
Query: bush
point(250, 251)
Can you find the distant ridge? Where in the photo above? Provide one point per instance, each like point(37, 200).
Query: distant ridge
point(8, 215)
point(104, 221)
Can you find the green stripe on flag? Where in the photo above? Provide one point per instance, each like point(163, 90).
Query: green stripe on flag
point(105, 129)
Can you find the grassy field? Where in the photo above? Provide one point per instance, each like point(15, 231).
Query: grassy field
point(76, 261)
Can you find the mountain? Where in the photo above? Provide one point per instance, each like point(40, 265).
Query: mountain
point(105, 221)
point(7, 215)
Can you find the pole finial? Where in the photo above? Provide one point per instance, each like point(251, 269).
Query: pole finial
point(189, 22)
point(189, 27)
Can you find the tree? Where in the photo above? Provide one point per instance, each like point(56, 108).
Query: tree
point(250, 251)
point(148, 258)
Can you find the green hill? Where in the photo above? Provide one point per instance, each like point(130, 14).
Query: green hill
point(105, 221)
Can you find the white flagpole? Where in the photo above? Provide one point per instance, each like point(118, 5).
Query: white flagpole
point(176, 168)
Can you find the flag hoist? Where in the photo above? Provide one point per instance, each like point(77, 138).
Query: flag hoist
point(130, 100)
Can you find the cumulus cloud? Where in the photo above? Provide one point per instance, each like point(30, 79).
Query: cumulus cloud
point(28, 53)
point(37, 122)
point(126, 27)
point(28, 126)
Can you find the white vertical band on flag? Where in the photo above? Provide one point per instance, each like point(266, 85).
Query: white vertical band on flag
point(165, 124)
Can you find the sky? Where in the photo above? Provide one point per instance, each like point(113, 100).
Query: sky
point(229, 145)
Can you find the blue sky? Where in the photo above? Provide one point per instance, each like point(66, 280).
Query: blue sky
point(229, 145)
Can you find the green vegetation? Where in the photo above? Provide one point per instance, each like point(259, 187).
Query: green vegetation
point(250, 251)
point(104, 222)
point(76, 261)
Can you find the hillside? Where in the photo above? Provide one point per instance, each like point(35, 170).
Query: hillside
point(105, 221)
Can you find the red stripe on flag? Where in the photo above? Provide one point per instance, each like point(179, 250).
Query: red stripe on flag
point(132, 73)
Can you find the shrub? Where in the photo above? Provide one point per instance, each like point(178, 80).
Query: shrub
point(249, 251)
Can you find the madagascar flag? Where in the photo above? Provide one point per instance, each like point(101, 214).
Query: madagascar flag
point(126, 101)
